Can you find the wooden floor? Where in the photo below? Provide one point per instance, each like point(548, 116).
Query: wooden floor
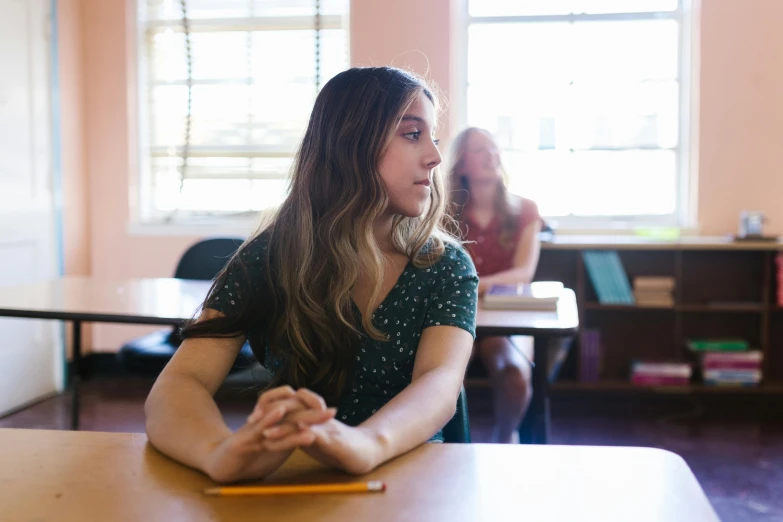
point(738, 461)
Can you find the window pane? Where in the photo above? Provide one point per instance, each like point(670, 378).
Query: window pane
point(252, 88)
point(514, 55)
point(205, 9)
point(220, 184)
point(220, 195)
point(558, 53)
point(587, 113)
point(643, 115)
point(564, 7)
point(243, 56)
point(595, 183)
point(200, 166)
point(639, 50)
point(237, 101)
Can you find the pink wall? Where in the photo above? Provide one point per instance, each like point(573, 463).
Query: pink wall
point(77, 246)
point(740, 123)
point(76, 205)
point(410, 34)
point(106, 84)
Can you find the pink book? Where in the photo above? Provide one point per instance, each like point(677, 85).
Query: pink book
point(659, 380)
point(725, 357)
point(731, 365)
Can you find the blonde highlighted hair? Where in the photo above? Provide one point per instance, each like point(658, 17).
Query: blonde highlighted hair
point(321, 239)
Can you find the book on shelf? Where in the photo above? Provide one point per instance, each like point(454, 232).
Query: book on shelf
point(652, 294)
point(608, 277)
point(732, 361)
point(742, 368)
point(730, 365)
point(721, 345)
point(732, 375)
point(654, 283)
point(673, 369)
point(619, 277)
point(751, 356)
point(669, 373)
point(654, 291)
point(654, 299)
point(541, 295)
point(589, 355)
point(649, 373)
point(659, 380)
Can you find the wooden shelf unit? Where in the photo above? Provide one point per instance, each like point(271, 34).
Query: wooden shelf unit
point(723, 289)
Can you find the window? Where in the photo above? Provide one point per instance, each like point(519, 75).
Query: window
point(586, 99)
point(226, 89)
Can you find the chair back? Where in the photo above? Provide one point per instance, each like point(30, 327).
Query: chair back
point(206, 258)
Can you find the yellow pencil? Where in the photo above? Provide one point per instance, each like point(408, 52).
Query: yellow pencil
point(374, 486)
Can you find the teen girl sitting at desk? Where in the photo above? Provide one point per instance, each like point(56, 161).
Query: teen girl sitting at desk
point(501, 231)
point(361, 306)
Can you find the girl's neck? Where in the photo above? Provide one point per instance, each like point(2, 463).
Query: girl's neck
point(382, 232)
point(482, 197)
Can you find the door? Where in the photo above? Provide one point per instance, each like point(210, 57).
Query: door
point(31, 351)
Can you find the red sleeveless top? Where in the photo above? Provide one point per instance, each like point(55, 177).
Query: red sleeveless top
point(483, 244)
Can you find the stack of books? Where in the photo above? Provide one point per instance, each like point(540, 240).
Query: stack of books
point(732, 368)
point(589, 355)
point(728, 362)
point(608, 277)
point(779, 260)
point(644, 373)
point(654, 291)
point(541, 296)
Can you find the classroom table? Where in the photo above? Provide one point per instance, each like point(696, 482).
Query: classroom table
point(77, 476)
point(80, 299)
point(167, 301)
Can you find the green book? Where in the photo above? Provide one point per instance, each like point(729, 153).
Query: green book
point(597, 276)
point(606, 272)
point(718, 345)
point(619, 278)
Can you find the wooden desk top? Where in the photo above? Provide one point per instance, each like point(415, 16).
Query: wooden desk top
point(80, 476)
point(170, 301)
point(632, 242)
point(562, 323)
point(143, 301)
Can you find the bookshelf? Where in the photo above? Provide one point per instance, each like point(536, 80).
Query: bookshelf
point(723, 289)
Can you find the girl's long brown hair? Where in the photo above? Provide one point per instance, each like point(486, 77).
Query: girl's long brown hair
point(321, 239)
point(459, 189)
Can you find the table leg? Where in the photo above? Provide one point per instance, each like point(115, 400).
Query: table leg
point(76, 374)
point(535, 426)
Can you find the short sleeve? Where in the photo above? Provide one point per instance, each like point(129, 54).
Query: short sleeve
point(242, 280)
point(455, 295)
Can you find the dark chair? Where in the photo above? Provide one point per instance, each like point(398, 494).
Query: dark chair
point(147, 355)
point(458, 428)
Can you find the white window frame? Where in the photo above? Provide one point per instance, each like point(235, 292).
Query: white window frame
point(684, 216)
point(151, 221)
